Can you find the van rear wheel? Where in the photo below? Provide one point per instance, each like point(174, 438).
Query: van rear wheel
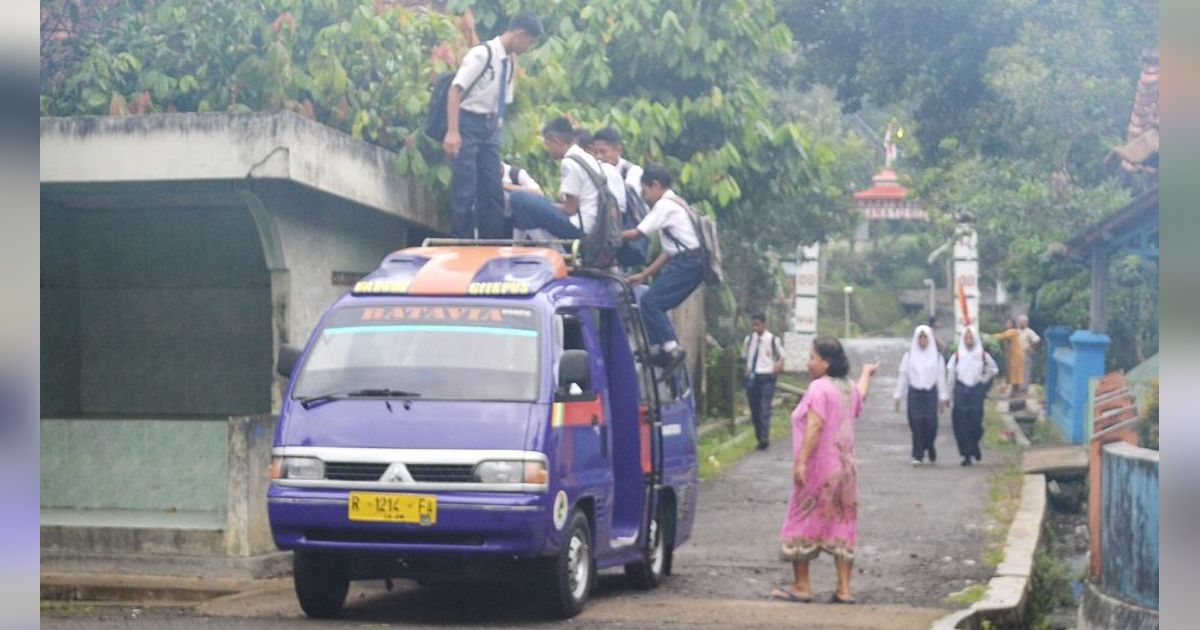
point(570, 572)
point(321, 582)
point(647, 574)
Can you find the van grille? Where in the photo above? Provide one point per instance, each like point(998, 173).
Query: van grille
point(442, 473)
point(354, 471)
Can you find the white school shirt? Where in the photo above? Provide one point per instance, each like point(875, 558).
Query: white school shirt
point(769, 351)
point(981, 374)
point(633, 174)
point(524, 179)
point(902, 383)
point(668, 215)
point(578, 183)
point(485, 96)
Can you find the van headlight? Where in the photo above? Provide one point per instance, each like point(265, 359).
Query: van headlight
point(509, 471)
point(297, 468)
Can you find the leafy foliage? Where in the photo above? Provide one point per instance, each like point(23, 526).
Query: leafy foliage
point(345, 63)
point(1015, 106)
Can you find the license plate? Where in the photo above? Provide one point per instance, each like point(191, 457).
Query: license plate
point(393, 508)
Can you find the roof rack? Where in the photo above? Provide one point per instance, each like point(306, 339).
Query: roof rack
point(571, 255)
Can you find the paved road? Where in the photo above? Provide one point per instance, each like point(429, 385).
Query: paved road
point(921, 535)
point(910, 519)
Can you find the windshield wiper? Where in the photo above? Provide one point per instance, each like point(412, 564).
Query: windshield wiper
point(311, 401)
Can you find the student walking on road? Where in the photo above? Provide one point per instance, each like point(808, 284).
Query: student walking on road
point(481, 90)
point(971, 369)
point(764, 360)
point(923, 383)
point(823, 510)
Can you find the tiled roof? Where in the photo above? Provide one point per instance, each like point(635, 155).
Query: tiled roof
point(1142, 137)
point(886, 187)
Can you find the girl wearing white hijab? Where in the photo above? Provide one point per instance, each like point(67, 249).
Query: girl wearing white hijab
point(971, 370)
point(923, 382)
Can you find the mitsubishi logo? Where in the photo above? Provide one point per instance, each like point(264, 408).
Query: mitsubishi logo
point(396, 473)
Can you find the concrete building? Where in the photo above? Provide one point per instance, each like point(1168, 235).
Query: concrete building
point(178, 252)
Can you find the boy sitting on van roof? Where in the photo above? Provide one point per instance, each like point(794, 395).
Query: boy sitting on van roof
point(575, 216)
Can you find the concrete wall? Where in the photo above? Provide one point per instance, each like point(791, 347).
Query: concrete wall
point(231, 147)
point(320, 235)
point(134, 464)
point(1129, 533)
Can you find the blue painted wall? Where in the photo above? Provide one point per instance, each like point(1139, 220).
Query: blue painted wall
point(1075, 365)
point(1129, 524)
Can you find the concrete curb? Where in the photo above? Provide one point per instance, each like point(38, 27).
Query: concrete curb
point(102, 588)
point(1004, 600)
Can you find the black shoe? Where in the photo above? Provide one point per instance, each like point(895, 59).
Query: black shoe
point(978, 457)
point(669, 360)
point(966, 461)
point(763, 445)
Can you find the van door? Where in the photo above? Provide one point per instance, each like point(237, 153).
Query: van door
point(680, 467)
point(580, 421)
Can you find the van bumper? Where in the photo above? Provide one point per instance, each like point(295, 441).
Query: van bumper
point(468, 523)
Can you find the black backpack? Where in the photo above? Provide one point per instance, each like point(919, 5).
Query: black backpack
point(600, 246)
point(635, 253)
point(435, 119)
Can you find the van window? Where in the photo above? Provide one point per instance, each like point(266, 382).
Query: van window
point(436, 351)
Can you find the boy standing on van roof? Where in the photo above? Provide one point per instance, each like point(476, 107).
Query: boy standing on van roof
point(680, 263)
point(577, 213)
point(606, 144)
point(482, 88)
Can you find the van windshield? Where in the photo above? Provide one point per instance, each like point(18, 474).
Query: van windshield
point(433, 351)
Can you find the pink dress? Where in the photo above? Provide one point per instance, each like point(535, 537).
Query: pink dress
point(822, 515)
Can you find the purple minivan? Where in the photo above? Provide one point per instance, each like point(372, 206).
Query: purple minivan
point(471, 409)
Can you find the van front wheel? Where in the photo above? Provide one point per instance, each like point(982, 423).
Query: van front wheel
point(321, 582)
point(569, 573)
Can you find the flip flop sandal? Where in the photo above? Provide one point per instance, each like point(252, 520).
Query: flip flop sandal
point(838, 600)
point(787, 595)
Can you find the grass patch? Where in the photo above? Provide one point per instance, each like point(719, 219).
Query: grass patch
point(969, 595)
point(1050, 588)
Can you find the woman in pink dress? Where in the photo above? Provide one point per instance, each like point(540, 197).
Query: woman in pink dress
point(822, 513)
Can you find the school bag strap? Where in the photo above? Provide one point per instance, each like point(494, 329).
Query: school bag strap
point(598, 181)
point(706, 235)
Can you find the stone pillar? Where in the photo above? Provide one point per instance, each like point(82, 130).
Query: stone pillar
point(1056, 337)
point(1090, 353)
point(247, 530)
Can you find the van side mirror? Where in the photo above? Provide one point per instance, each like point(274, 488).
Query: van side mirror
point(285, 364)
point(574, 378)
